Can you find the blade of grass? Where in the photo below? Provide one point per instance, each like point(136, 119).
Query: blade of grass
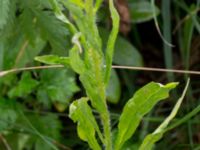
point(152, 138)
point(157, 26)
point(184, 119)
point(166, 15)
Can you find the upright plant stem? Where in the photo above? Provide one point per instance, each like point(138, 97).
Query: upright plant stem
point(166, 14)
point(107, 130)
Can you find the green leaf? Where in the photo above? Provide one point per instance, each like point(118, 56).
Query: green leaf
point(8, 114)
point(27, 24)
point(4, 12)
point(30, 52)
point(81, 112)
point(58, 12)
point(52, 29)
point(113, 91)
point(141, 11)
point(150, 139)
point(139, 105)
point(56, 85)
point(93, 81)
point(126, 54)
point(48, 127)
point(52, 59)
point(25, 86)
point(76, 62)
point(111, 40)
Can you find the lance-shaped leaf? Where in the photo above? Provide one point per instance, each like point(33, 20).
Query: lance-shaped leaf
point(52, 59)
point(139, 105)
point(81, 113)
point(111, 40)
point(76, 62)
point(93, 80)
point(151, 139)
point(58, 12)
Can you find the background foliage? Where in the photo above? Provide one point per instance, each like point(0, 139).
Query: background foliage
point(34, 104)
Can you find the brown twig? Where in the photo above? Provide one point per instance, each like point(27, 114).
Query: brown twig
point(3, 73)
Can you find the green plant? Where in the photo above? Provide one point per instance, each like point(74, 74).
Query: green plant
point(87, 59)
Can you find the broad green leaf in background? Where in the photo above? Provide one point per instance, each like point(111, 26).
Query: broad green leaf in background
point(30, 52)
point(139, 105)
point(124, 53)
point(12, 44)
point(47, 126)
point(8, 115)
point(151, 139)
point(4, 12)
point(27, 25)
point(16, 141)
point(141, 11)
point(113, 91)
point(52, 30)
point(24, 87)
point(56, 85)
point(81, 113)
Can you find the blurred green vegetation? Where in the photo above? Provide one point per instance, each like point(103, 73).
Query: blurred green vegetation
point(34, 104)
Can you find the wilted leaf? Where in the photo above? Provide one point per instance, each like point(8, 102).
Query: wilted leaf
point(139, 105)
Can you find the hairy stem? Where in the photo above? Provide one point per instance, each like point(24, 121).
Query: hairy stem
point(107, 130)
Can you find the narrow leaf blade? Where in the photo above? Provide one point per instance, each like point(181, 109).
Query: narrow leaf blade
point(151, 139)
point(139, 105)
point(52, 59)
